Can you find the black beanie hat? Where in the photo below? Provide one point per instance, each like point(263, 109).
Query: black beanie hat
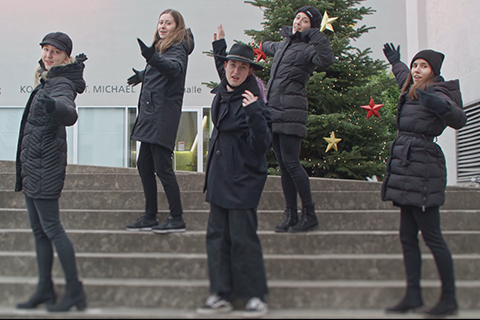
point(434, 59)
point(59, 40)
point(313, 14)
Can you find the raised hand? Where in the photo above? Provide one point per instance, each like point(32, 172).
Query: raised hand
point(135, 79)
point(392, 54)
point(82, 57)
point(248, 98)
point(147, 52)
point(221, 33)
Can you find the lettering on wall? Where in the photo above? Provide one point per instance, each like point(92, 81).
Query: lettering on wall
point(114, 89)
point(193, 89)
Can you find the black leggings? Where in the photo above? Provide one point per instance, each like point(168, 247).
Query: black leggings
point(44, 218)
point(294, 177)
point(411, 221)
point(157, 159)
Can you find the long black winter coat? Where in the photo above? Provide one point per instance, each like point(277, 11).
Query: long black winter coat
point(161, 96)
point(294, 61)
point(42, 145)
point(416, 172)
point(236, 168)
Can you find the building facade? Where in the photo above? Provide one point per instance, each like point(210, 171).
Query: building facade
point(106, 31)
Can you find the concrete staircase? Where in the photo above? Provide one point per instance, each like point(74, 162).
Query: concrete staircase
point(351, 268)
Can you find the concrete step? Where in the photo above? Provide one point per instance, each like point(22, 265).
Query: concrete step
point(169, 266)
point(270, 200)
point(157, 313)
point(330, 220)
point(190, 294)
point(315, 242)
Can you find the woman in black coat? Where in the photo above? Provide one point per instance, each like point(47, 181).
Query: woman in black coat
point(416, 174)
point(236, 172)
point(159, 112)
point(304, 49)
point(41, 162)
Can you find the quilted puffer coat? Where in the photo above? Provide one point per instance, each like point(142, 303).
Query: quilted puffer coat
point(42, 143)
point(416, 172)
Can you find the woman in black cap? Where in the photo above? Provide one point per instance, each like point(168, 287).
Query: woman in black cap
point(304, 50)
point(236, 172)
point(41, 162)
point(159, 112)
point(416, 176)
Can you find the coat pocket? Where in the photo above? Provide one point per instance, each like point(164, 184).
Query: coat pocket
point(406, 151)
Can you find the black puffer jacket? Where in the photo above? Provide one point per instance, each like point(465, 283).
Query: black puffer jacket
point(42, 146)
point(294, 60)
point(161, 96)
point(416, 173)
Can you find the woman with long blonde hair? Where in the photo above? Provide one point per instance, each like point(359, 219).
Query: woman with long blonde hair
point(159, 111)
point(41, 163)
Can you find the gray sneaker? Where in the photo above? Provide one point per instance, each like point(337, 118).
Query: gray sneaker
point(171, 225)
point(255, 308)
point(215, 305)
point(144, 223)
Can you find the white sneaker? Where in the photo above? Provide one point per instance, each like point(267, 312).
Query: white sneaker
point(255, 308)
point(215, 305)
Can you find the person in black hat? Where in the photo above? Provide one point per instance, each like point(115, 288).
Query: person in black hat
point(236, 172)
point(40, 167)
point(304, 50)
point(159, 111)
point(415, 177)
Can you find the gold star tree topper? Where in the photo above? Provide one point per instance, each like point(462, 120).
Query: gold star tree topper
point(327, 22)
point(332, 142)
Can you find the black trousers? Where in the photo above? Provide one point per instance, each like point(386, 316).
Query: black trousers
point(44, 216)
point(235, 259)
point(157, 159)
point(411, 221)
point(294, 177)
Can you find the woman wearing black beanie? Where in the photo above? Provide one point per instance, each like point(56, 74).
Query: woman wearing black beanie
point(303, 50)
point(416, 175)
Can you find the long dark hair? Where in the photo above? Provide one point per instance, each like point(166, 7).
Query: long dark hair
point(178, 35)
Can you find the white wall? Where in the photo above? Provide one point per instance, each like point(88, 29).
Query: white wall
point(452, 30)
point(106, 30)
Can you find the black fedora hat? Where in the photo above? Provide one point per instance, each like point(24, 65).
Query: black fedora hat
point(242, 53)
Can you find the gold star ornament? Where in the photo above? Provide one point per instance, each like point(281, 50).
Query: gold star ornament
point(332, 142)
point(327, 22)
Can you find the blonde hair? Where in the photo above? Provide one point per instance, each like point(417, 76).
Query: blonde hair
point(177, 36)
point(42, 73)
point(412, 87)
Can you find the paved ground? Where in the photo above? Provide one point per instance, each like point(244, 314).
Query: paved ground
point(129, 313)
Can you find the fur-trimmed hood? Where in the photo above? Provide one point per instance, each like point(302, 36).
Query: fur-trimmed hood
point(72, 71)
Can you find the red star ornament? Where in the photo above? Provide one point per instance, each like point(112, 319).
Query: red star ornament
point(260, 54)
point(372, 108)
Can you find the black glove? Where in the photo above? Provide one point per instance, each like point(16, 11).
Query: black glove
point(49, 104)
point(147, 52)
point(135, 79)
point(393, 56)
point(81, 58)
point(431, 101)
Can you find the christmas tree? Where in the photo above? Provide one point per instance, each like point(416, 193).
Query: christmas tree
point(336, 95)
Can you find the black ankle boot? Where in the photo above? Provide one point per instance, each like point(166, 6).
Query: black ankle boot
point(74, 296)
point(410, 302)
point(44, 294)
point(445, 307)
point(308, 222)
point(291, 219)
